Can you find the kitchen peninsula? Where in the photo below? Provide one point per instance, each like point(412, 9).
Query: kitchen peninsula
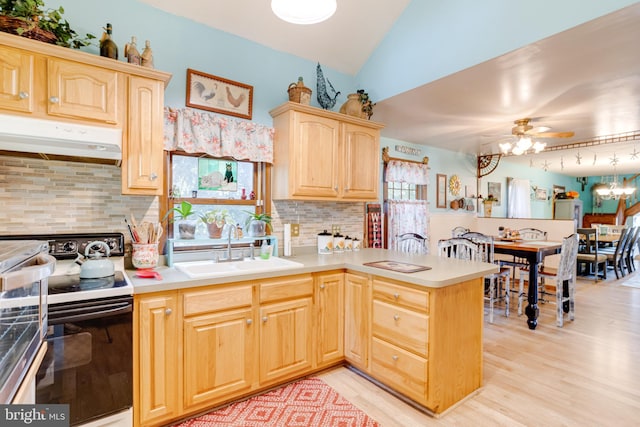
point(202, 343)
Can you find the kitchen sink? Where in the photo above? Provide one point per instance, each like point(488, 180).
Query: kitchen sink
point(209, 268)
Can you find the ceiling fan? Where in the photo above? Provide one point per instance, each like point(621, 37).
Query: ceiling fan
point(522, 127)
point(524, 132)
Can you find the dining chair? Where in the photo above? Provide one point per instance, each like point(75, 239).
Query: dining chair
point(588, 255)
point(412, 243)
point(615, 255)
point(499, 283)
point(459, 248)
point(459, 231)
point(628, 250)
point(565, 280)
point(527, 233)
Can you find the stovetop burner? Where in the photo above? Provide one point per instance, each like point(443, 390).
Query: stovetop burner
point(73, 283)
point(65, 284)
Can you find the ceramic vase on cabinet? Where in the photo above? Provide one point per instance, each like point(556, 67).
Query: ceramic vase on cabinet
point(353, 106)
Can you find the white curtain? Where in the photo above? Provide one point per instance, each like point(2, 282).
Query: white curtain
point(407, 216)
point(408, 172)
point(519, 199)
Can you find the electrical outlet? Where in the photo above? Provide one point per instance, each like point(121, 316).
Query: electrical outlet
point(335, 229)
point(295, 230)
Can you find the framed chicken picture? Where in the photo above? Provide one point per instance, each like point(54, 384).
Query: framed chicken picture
point(212, 93)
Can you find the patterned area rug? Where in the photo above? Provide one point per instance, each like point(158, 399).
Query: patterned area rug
point(307, 403)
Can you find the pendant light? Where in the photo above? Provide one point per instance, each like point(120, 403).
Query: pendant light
point(303, 12)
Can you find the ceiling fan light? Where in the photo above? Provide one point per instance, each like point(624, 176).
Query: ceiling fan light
point(517, 150)
point(524, 143)
point(505, 147)
point(303, 12)
point(539, 146)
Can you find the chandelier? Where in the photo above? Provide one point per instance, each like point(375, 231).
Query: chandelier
point(521, 146)
point(303, 12)
point(615, 190)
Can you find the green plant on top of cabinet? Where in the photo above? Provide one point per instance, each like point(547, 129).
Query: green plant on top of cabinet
point(323, 155)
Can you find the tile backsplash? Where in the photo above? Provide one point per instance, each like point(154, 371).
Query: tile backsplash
point(48, 196)
point(314, 217)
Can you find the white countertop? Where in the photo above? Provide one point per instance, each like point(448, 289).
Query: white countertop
point(443, 272)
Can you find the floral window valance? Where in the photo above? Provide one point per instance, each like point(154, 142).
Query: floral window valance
point(408, 172)
point(196, 131)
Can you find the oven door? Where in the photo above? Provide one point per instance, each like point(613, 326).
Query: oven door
point(89, 359)
point(23, 320)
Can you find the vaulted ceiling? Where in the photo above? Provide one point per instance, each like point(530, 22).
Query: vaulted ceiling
point(585, 80)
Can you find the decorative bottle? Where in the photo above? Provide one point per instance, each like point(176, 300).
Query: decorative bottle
point(131, 52)
point(147, 55)
point(108, 47)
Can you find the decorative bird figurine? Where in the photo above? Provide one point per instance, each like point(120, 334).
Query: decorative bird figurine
point(203, 92)
point(324, 99)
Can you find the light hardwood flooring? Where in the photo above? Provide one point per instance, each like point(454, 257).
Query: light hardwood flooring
point(584, 374)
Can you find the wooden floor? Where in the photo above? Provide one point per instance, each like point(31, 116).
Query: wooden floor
point(584, 374)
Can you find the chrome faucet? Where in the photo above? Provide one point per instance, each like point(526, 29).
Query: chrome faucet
point(232, 230)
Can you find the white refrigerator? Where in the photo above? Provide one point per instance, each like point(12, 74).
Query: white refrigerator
point(569, 209)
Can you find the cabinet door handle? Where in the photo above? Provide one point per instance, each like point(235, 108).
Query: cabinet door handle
point(346, 189)
point(153, 176)
point(264, 319)
point(54, 99)
point(396, 295)
point(321, 286)
point(335, 188)
point(168, 311)
point(394, 357)
point(249, 321)
point(396, 317)
point(23, 95)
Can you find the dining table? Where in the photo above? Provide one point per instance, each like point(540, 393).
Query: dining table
point(534, 251)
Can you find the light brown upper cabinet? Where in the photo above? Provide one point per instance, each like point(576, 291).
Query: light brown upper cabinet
point(323, 155)
point(50, 82)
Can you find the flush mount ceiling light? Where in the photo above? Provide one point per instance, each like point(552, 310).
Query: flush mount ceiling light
point(303, 12)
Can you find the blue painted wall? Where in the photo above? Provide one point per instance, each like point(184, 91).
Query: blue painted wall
point(430, 40)
point(435, 38)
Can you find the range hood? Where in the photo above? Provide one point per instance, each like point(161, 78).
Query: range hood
point(28, 135)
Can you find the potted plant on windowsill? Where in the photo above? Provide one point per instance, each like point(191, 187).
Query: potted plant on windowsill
point(29, 18)
point(257, 224)
point(183, 215)
point(215, 220)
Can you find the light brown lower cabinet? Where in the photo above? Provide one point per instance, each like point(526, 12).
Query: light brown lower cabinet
point(329, 317)
point(357, 299)
point(199, 348)
point(218, 344)
point(156, 355)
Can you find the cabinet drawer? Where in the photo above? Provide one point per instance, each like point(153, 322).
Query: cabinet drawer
point(401, 295)
point(197, 302)
point(404, 328)
point(292, 287)
point(403, 371)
